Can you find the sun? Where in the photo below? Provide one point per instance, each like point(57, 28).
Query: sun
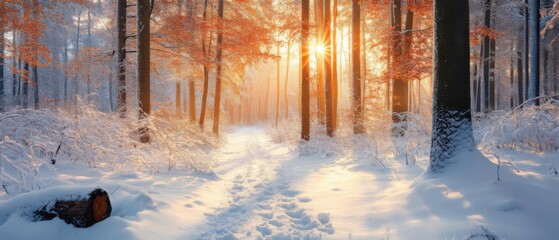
point(319, 48)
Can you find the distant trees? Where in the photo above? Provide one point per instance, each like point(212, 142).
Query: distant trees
point(452, 127)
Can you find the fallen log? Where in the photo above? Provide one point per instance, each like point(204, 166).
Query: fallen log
point(81, 213)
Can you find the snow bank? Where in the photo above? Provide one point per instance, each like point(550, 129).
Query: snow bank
point(528, 129)
point(34, 140)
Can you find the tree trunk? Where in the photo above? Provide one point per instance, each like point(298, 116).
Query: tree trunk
point(452, 128)
point(36, 85)
point(178, 96)
point(192, 101)
point(267, 99)
point(111, 89)
point(76, 55)
point(88, 83)
point(492, 80)
point(285, 89)
point(81, 213)
point(2, 71)
point(534, 83)
point(526, 50)
point(486, 49)
point(520, 73)
point(15, 83)
point(218, 71)
point(320, 62)
point(335, 90)
point(65, 72)
point(330, 127)
point(400, 86)
point(278, 63)
point(206, 73)
point(143, 71)
point(305, 87)
point(121, 57)
point(356, 67)
point(26, 85)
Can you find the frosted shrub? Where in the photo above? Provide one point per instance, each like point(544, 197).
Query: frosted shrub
point(532, 129)
point(373, 146)
point(32, 139)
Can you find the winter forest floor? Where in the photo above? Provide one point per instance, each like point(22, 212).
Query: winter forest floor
point(267, 190)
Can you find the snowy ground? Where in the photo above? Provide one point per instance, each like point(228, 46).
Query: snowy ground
point(265, 190)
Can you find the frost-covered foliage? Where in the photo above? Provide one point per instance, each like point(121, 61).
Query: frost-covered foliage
point(531, 129)
point(33, 139)
point(375, 145)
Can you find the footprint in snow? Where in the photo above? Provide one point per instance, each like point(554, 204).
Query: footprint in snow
point(264, 229)
point(290, 193)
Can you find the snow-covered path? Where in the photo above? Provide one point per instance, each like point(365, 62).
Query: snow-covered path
point(255, 197)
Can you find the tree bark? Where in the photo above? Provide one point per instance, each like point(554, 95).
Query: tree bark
point(305, 87)
point(285, 89)
point(278, 63)
point(2, 71)
point(143, 71)
point(400, 85)
point(76, 56)
point(192, 101)
point(26, 85)
point(36, 85)
point(335, 90)
point(534, 83)
point(218, 71)
point(330, 127)
point(121, 57)
point(178, 96)
point(206, 72)
point(526, 49)
point(486, 49)
point(356, 67)
point(66, 67)
point(452, 128)
point(520, 73)
point(320, 62)
point(492, 80)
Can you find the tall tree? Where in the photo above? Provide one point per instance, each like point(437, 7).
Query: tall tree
point(206, 69)
point(319, 21)
point(219, 43)
point(278, 64)
point(192, 101)
point(534, 82)
point(356, 67)
point(143, 14)
point(178, 96)
point(400, 85)
point(330, 127)
point(526, 49)
point(121, 56)
point(335, 90)
point(305, 75)
point(452, 127)
point(2, 69)
point(285, 89)
point(486, 58)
